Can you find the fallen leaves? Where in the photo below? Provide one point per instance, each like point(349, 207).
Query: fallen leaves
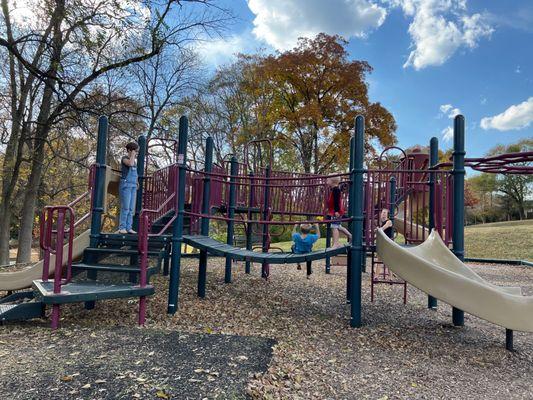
point(162, 395)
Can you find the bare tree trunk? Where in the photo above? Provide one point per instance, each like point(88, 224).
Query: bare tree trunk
point(28, 209)
point(5, 224)
point(34, 180)
point(41, 134)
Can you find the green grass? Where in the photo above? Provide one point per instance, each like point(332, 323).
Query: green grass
point(504, 240)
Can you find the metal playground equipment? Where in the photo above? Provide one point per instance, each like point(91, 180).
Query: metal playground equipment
point(177, 204)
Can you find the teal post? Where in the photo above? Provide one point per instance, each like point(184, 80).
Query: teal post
point(328, 245)
point(249, 225)
point(206, 210)
point(266, 206)
point(392, 200)
point(357, 250)
point(99, 181)
point(458, 200)
point(433, 160)
point(231, 214)
point(351, 213)
point(98, 193)
point(177, 230)
point(141, 157)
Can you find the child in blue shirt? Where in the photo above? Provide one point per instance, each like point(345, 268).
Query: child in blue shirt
point(304, 241)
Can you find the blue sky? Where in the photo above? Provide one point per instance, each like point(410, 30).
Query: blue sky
point(431, 58)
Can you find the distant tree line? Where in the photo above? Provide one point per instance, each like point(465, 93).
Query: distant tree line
point(501, 197)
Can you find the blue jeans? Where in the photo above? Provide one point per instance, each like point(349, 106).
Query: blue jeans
point(128, 193)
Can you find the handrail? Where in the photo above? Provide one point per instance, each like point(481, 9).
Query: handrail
point(47, 220)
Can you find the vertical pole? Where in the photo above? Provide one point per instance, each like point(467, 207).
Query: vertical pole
point(249, 226)
point(458, 199)
point(433, 160)
point(266, 206)
point(98, 194)
point(351, 212)
point(99, 181)
point(509, 339)
point(357, 250)
point(177, 230)
point(231, 214)
point(392, 200)
point(141, 157)
point(328, 245)
point(206, 210)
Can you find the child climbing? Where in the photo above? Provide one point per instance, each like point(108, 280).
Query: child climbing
point(304, 241)
point(336, 210)
point(128, 188)
point(385, 223)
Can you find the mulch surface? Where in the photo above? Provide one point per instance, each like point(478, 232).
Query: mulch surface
point(130, 363)
point(402, 351)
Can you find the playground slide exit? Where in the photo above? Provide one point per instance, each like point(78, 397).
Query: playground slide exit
point(22, 279)
point(422, 267)
point(438, 253)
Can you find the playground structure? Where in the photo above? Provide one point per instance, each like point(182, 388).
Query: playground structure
point(176, 204)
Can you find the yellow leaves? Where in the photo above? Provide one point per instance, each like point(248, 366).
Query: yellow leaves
point(160, 394)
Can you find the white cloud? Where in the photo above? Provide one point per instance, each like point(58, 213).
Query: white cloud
point(515, 117)
point(449, 111)
point(447, 134)
point(518, 70)
point(281, 22)
point(483, 100)
point(440, 28)
point(220, 51)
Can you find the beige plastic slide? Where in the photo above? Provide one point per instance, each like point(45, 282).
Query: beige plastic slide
point(422, 267)
point(22, 279)
point(438, 253)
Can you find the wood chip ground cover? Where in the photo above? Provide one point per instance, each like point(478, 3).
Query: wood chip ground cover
point(400, 352)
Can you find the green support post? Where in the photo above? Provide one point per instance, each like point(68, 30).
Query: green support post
point(98, 193)
point(266, 206)
point(99, 181)
point(206, 209)
point(392, 200)
point(249, 226)
point(328, 245)
point(509, 339)
point(234, 169)
point(433, 160)
point(357, 250)
point(351, 212)
point(177, 230)
point(458, 200)
point(141, 158)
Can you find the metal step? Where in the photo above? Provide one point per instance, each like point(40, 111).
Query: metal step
point(76, 292)
point(6, 307)
point(131, 240)
point(21, 311)
point(120, 252)
point(126, 269)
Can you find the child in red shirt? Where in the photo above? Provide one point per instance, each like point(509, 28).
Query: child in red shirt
point(336, 210)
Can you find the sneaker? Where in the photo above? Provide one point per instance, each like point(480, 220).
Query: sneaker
point(132, 232)
point(122, 231)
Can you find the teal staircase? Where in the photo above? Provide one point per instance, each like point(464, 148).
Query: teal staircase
point(108, 271)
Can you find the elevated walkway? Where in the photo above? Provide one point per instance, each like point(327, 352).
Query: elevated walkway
point(217, 248)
